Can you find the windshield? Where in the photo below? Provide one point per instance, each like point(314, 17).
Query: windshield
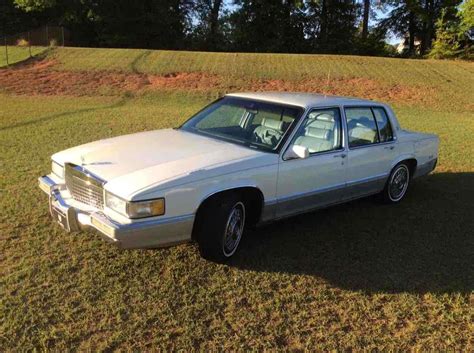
point(255, 124)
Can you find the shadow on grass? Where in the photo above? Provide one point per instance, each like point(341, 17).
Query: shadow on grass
point(424, 244)
point(117, 104)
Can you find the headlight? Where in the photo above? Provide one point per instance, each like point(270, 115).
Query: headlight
point(148, 208)
point(57, 169)
point(135, 209)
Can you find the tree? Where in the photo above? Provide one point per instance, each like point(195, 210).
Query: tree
point(35, 5)
point(453, 35)
point(208, 33)
point(466, 16)
point(365, 19)
point(466, 28)
point(331, 25)
point(446, 45)
point(403, 21)
point(268, 26)
point(120, 23)
point(11, 19)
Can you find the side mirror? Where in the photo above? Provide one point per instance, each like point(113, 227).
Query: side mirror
point(296, 152)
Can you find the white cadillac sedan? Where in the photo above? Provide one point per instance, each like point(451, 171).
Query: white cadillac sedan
point(246, 159)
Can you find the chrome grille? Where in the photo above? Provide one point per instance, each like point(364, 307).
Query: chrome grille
point(83, 186)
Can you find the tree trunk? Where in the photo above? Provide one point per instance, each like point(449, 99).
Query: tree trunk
point(428, 24)
point(323, 33)
point(411, 33)
point(365, 20)
point(214, 23)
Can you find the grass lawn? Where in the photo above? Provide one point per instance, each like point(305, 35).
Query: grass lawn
point(17, 54)
point(354, 276)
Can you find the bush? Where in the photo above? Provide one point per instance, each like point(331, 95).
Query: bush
point(22, 42)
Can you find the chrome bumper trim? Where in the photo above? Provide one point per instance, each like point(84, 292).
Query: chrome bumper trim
point(142, 234)
point(47, 184)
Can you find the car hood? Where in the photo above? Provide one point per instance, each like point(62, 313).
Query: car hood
point(133, 162)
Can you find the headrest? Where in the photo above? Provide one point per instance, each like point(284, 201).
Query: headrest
point(317, 132)
point(325, 117)
point(272, 124)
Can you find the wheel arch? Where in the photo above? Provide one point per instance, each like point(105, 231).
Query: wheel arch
point(253, 200)
point(408, 159)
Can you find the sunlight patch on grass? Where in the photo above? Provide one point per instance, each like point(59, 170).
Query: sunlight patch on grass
point(17, 54)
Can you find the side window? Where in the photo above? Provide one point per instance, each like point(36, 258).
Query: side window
point(385, 129)
point(361, 127)
point(320, 131)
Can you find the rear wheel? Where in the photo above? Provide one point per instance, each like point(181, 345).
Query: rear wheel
point(222, 228)
point(397, 184)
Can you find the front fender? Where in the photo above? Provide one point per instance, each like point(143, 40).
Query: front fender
point(185, 199)
point(211, 190)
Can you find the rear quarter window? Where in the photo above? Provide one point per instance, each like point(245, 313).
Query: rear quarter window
point(383, 123)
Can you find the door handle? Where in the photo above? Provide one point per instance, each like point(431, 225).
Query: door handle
point(342, 155)
point(389, 147)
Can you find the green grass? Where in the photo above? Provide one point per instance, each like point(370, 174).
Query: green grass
point(17, 54)
point(354, 276)
point(452, 81)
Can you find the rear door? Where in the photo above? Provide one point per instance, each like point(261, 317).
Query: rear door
point(318, 180)
point(372, 150)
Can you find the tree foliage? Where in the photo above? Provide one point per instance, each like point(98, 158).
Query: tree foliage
point(310, 26)
point(446, 45)
point(454, 35)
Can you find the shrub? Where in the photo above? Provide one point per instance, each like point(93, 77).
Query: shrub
point(22, 42)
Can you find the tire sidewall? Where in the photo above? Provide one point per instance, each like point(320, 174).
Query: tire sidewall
point(213, 222)
point(387, 194)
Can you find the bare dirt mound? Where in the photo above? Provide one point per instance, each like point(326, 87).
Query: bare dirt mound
point(41, 78)
point(354, 87)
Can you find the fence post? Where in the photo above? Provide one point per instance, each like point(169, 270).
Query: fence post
point(62, 34)
point(29, 43)
point(47, 36)
point(6, 50)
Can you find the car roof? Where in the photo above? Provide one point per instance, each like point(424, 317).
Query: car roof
point(306, 100)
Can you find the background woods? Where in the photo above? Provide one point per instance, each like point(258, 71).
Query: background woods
point(441, 28)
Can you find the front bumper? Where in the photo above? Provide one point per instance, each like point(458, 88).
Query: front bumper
point(142, 234)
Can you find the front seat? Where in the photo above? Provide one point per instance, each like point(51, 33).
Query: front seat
point(269, 132)
point(319, 134)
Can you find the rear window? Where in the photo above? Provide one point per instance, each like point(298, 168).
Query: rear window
point(361, 127)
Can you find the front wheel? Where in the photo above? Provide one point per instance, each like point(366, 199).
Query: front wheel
point(397, 184)
point(222, 228)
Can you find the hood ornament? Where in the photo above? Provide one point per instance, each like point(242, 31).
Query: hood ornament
point(83, 161)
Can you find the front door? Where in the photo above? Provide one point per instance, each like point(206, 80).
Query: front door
point(318, 180)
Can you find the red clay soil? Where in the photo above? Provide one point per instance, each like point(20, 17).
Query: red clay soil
point(42, 78)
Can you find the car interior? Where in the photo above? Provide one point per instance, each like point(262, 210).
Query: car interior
point(261, 125)
point(361, 131)
point(270, 131)
point(320, 132)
